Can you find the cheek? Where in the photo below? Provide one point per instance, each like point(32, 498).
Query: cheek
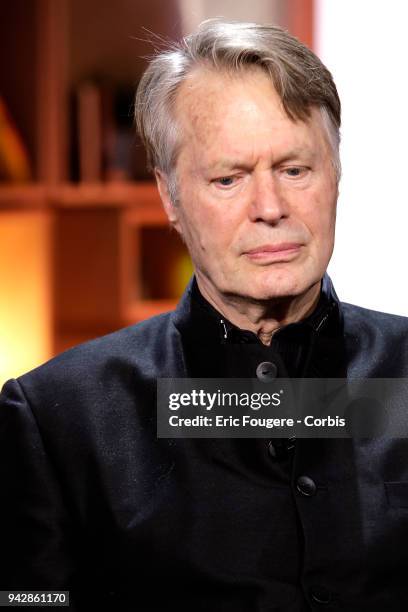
point(322, 231)
point(321, 215)
point(202, 236)
point(207, 228)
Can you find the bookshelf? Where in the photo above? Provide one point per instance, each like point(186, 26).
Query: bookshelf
point(100, 252)
point(122, 265)
point(112, 255)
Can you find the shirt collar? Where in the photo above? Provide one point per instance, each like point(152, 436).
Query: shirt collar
point(313, 347)
point(227, 332)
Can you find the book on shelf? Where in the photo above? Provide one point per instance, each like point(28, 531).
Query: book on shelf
point(105, 143)
point(89, 132)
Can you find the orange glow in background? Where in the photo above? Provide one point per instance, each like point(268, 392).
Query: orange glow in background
point(25, 296)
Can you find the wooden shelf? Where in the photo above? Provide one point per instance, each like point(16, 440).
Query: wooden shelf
point(71, 195)
point(141, 201)
point(29, 196)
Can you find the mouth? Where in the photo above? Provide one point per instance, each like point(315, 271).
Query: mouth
point(284, 251)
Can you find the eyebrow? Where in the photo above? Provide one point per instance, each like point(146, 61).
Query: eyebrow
point(229, 164)
point(234, 163)
point(299, 152)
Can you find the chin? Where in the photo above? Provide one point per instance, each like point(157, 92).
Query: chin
point(280, 285)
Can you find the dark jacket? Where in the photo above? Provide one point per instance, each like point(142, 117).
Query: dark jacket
point(92, 501)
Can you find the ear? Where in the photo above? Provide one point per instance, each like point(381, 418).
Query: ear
point(171, 209)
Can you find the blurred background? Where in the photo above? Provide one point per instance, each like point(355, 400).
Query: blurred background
point(84, 245)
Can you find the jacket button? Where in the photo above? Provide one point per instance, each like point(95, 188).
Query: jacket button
point(266, 371)
point(306, 486)
point(320, 595)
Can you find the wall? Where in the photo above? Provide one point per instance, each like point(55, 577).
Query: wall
point(261, 11)
point(364, 45)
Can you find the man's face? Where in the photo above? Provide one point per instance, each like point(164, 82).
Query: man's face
point(256, 191)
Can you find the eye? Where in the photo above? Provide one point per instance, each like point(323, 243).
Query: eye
point(295, 171)
point(225, 181)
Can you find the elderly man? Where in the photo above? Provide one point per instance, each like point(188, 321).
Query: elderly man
point(241, 124)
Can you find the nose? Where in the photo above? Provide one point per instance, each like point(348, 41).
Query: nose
point(267, 200)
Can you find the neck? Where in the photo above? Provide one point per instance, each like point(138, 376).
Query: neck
point(263, 317)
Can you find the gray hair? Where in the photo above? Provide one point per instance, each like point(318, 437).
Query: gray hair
point(299, 77)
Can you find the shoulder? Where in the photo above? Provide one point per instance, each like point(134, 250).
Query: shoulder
point(95, 401)
point(373, 315)
point(377, 342)
point(364, 319)
point(123, 343)
point(136, 350)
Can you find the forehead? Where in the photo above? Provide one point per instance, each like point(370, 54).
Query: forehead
point(238, 113)
point(205, 88)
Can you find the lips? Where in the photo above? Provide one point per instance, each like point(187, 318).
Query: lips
point(282, 247)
